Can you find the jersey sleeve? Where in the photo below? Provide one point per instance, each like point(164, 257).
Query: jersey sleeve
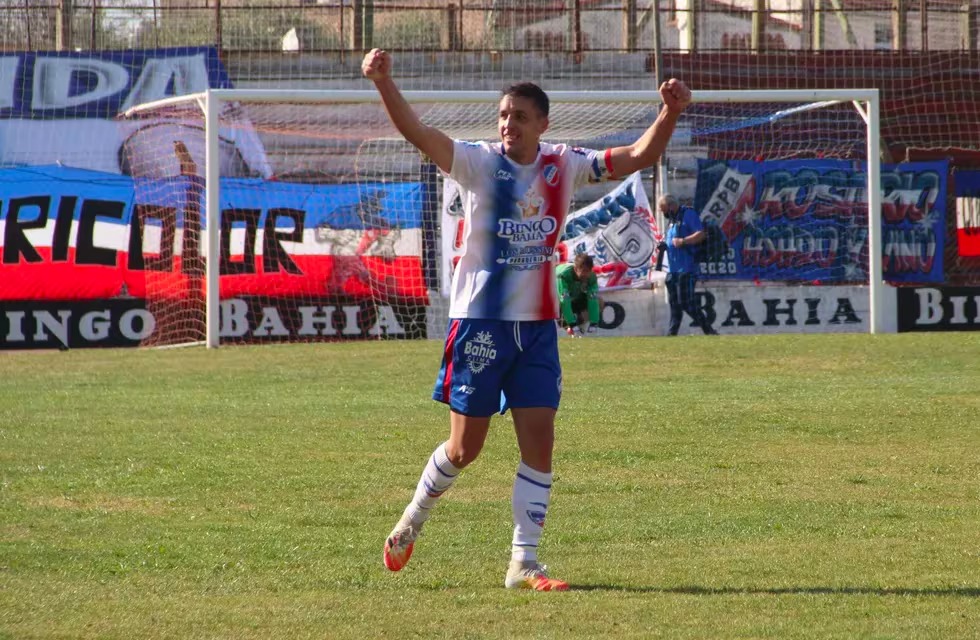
point(563, 274)
point(692, 221)
point(592, 286)
point(469, 162)
point(592, 295)
point(590, 166)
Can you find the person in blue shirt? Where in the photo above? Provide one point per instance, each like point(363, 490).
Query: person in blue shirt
point(684, 233)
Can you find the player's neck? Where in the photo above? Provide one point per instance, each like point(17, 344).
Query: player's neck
point(522, 156)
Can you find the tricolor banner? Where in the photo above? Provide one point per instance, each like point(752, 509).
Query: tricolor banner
point(72, 234)
point(968, 213)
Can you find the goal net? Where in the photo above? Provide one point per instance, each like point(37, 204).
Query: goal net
point(270, 215)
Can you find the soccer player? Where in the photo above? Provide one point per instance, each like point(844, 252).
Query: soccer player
point(578, 295)
point(501, 349)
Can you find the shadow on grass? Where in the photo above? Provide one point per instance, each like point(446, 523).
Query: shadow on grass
point(952, 592)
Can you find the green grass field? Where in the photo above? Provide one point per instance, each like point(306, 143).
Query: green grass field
point(735, 487)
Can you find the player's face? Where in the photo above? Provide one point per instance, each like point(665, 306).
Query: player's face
point(520, 124)
point(583, 273)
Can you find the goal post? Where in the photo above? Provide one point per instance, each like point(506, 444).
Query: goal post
point(362, 138)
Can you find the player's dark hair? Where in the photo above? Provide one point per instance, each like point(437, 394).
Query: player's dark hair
point(530, 91)
point(583, 261)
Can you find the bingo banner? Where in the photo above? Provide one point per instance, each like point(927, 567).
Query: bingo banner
point(968, 213)
point(806, 220)
point(73, 234)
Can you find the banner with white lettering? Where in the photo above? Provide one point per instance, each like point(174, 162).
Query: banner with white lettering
point(72, 234)
point(806, 220)
point(619, 231)
point(60, 107)
point(939, 309)
point(967, 189)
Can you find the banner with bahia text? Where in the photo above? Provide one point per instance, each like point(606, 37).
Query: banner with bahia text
point(806, 220)
point(73, 234)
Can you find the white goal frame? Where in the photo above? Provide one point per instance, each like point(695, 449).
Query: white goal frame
point(865, 101)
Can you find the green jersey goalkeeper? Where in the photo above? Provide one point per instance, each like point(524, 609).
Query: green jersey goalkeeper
point(578, 295)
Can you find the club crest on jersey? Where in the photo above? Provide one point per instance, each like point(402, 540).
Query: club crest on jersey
point(480, 351)
point(531, 204)
point(551, 174)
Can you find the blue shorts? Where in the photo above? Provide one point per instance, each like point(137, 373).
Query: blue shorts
point(493, 365)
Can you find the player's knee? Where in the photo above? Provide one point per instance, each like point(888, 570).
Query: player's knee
point(462, 454)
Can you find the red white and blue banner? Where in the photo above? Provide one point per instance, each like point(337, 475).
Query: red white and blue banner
point(73, 234)
point(619, 231)
point(967, 190)
point(452, 221)
point(806, 220)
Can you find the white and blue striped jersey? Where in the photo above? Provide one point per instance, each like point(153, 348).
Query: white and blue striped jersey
point(514, 217)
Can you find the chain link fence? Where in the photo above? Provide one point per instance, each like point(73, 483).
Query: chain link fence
point(550, 26)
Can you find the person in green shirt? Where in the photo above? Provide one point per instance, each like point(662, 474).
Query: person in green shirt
point(578, 295)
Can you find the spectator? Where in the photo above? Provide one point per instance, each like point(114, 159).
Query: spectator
point(684, 233)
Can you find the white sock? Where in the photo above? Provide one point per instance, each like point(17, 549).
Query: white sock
point(529, 503)
point(437, 477)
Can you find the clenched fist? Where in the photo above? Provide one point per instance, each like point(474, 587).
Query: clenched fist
point(675, 94)
point(377, 65)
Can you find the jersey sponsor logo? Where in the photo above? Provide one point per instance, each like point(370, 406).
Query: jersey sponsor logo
point(525, 257)
point(521, 232)
point(551, 174)
point(503, 175)
point(480, 352)
point(580, 151)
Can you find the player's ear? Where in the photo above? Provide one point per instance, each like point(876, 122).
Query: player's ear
point(544, 124)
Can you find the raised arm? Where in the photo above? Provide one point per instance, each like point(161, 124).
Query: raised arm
point(429, 140)
point(646, 151)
